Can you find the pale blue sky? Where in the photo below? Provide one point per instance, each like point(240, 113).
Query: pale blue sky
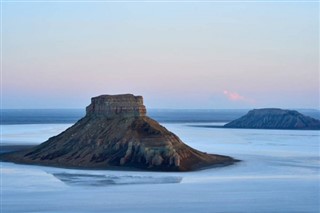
point(177, 55)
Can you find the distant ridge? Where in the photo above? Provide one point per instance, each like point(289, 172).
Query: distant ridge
point(274, 118)
point(59, 116)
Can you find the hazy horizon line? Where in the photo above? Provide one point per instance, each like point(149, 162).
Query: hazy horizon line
point(293, 108)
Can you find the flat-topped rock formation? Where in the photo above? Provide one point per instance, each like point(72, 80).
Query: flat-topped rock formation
point(272, 118)
point(116, 133)
point(111, 106)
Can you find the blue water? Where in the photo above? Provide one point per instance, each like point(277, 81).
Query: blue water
point(57, 116)
point(279, 171)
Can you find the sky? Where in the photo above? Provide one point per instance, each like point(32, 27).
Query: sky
point(205, 55)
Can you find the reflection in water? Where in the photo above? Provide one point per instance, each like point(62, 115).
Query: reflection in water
point(106, 180)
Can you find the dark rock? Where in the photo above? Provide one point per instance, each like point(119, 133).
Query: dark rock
point(271, 118)
point(116, 133)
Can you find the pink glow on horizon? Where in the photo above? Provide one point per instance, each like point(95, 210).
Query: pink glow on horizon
point(234, 96)
point(195, 56)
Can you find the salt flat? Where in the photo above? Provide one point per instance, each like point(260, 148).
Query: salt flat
point(279, 172)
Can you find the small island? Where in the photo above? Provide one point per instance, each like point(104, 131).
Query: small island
point(273, 118)
point(116, 133)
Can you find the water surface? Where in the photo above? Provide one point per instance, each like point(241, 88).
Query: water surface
point(279, 172)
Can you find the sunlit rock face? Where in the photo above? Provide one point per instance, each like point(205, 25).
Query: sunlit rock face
point(273, 118)
point(116, 133)
point(112, 106)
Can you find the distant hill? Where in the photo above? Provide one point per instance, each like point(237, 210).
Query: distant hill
point(273, 118)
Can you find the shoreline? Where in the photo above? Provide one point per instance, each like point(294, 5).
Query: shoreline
point(223, 127)
point(15, 147)
point(7, 150)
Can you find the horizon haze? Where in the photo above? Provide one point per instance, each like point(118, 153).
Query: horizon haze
point(177, 55)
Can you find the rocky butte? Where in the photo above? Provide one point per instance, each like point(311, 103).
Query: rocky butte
point(116, 133)
point(273, 118)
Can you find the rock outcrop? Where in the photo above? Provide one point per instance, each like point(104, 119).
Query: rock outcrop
point(271, 118)
point(116, 133)
point(112, 106)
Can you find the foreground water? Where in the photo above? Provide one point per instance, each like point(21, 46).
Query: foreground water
point(279, 172)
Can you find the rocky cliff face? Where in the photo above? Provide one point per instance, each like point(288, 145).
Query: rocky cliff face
point(112, 106)
point(274, 119)
point(117, 133)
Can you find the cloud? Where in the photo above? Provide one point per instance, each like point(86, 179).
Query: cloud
point(234, 96)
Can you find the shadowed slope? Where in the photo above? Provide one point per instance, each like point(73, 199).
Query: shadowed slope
point(116, 133)
point(274, 119)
